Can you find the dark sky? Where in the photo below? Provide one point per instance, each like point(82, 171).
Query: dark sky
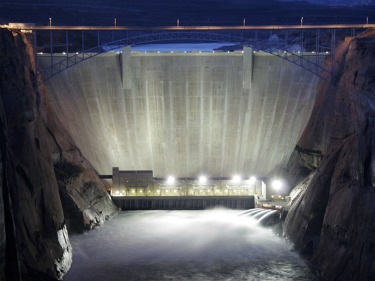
point(189, 12)
point(339, 2)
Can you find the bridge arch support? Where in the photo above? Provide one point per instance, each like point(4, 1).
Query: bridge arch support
point(310, 61)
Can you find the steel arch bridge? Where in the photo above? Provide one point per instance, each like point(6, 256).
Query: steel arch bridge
point(310, 61)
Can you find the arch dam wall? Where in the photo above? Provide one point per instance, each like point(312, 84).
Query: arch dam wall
point(185, 114)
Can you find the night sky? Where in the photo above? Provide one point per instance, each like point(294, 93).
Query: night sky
point(189, 12)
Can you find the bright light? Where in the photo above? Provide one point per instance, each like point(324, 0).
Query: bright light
point(236, 178)
point(170, 180)
point(253, 179)
point(277, 184)
point(202, 179)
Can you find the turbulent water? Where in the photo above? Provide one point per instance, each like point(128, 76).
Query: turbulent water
point(183, 245)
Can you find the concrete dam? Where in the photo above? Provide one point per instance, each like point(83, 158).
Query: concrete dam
point(184, 114)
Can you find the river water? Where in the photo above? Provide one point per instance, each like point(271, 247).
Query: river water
point(184, 245)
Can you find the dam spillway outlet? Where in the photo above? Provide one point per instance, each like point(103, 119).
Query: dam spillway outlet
point(184, 245)
point(184, 202)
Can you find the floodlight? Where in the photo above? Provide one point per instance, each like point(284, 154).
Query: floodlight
point(202, 179)
point(171, 180)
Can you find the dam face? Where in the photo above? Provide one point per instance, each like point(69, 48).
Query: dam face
point(185, 114)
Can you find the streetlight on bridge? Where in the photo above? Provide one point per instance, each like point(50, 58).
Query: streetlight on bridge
point(50, 21)
point(301, 21)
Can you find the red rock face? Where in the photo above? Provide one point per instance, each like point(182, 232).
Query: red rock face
point(332, 221)
point(39, 162)
point(33, 212)
point(2, 217)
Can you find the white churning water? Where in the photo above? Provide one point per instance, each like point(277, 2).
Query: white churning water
point(183, 245)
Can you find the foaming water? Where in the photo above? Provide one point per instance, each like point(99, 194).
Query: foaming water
point(183, 245)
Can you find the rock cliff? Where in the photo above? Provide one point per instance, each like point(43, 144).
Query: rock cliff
point(86, 202)
point(332, 215)
point(39, 162)
point(36, 235)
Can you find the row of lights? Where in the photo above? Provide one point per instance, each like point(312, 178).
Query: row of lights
point(64, 53)
point(203, 179)
point(276, 184)
point(313, 52)
point(280, 51)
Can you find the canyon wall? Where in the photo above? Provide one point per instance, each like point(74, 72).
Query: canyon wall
point(36, 235)
point(39, 162)
point(331, 218)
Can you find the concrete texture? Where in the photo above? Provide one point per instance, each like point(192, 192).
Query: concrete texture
point(185, 114)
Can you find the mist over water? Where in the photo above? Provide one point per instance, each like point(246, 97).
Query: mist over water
point(183, 245)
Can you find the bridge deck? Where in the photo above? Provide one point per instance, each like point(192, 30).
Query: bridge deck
point(195, 28)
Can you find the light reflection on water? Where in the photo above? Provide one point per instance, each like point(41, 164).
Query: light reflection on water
point(183, 245)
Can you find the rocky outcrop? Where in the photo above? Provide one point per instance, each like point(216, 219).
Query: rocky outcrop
point(2, 218)
point(39, 162)
point(86, 202)
point(36, 235)
point(332, 216)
